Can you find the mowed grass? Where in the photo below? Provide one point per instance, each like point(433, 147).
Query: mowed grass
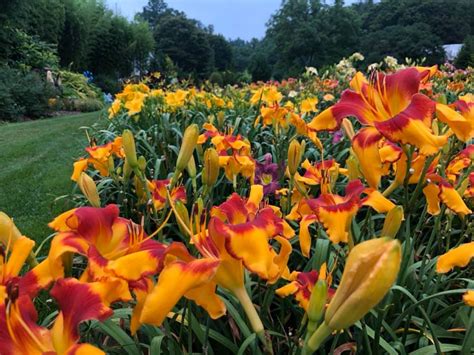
point(36, 160)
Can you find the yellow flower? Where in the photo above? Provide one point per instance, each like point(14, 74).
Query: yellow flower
point(309, 105)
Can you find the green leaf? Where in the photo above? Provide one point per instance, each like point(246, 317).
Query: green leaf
point(155, 346)
point(247, 342)
point(117, 333)
point(431, 349)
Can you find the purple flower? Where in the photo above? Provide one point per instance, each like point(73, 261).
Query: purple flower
point(337, 137)
point(266, 174)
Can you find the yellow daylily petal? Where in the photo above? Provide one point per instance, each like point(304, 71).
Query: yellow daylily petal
point(460, 256)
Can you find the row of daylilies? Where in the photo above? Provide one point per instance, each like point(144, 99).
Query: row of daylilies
point(165, 225)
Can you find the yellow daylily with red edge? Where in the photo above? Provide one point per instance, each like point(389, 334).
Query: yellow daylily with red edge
point(335, 212)
point(389, 106)
point(114, 246)
point(301, 285)
point(77, 301)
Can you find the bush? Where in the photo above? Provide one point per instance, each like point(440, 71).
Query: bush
point(108, 84)
point(23, 95)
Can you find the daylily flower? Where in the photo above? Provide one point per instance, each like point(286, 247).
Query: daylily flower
point(309, 105)
point(176, 99)
point(462, 122)
point(78, 302)
point(234, 152)
point(301, 285)
point(460, 256)
point(266, 175)
point(99, 158)
point(114, 247)
point(237, 237)
point(267, 94)
point(389, 106)
point(335, 212)
point(158, 190)
point(321, 173)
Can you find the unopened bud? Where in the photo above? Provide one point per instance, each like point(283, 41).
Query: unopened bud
point(371, 269)
point(89, 189)
point(142, 163)
point(392, 222)
point(294, 156)
point(211, 168)
point(129, 148)
point(348, 128)
point(190, 138)
point(127, 169)
point(183, 214)
point(191, 167)
point(220, 118)
point(352, 167)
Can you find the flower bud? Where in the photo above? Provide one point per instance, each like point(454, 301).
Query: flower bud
point(210, 171)
point(128, 142)
point(294, 157)
point(392, 222)
point(442, 99)
point(353, 167)
point(183, 214)
point(348, 128)
point(370, 271)
point(111, 165)
point(317, 302)
point(220, 118)
point(142, 163)
point(127, 169)
point(89, 189)
point(191, 167)
point(9, 234)
point(190, 138)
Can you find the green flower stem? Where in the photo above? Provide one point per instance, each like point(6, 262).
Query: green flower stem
point(317, 339)
point(253, 317)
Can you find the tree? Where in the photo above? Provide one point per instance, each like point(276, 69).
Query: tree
point(222, 52)
point(185, 42)
point(465, 57)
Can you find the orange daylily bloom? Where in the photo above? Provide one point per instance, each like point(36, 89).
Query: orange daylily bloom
point(237, 237)
point(320, 173)
point(158, 189)
point(389, 106)
point(462, 122)
point(460, 256)
point(78, 302)
point(114, 247)
point(234, 152)
point(301, 286)
point(335, 212)
point(309, 105)
point(99, 158)
point(468, 298)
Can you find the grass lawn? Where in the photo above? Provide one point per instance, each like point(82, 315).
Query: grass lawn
point(35, 167)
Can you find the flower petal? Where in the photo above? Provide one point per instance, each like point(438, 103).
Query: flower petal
point(460, 256)
point(365, 145)
point(176, 279)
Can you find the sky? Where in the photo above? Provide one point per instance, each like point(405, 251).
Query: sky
point(244, 19)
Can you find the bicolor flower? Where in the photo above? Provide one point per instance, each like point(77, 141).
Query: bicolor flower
point(301, 285)
point(266, 175)
point(78, 302)
point(234, 152)
point(115, 247)
point(322, 173)
point(460, 118)
point(335, 212)
point(158, 189)
point(388, 106)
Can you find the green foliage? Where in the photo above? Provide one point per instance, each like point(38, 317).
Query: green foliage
point(23, 94)
point(466, 55)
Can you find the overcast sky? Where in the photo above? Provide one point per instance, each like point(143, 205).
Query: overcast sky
point(232, 18)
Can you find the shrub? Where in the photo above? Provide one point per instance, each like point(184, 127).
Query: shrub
point(23, 95)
